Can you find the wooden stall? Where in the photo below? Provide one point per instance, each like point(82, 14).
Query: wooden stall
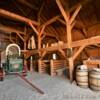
point(51, 66)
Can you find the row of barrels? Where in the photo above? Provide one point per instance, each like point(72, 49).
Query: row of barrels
point(88, 78)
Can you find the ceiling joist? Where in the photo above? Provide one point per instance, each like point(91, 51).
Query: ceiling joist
point(17, 17)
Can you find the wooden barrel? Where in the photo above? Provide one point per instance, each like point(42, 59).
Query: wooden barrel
point(82, 77)
point(94, 79)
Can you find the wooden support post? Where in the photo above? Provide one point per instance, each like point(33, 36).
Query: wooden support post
point(39, 44)
point(69, 42)
point(25, 46)
point(42, 30)
point(11, 39)
point(75, 13)
point(40, 41)
point(78, 52)
point(69, 25)
point(71, 65)
point(34, 29)
point(73, 24)
point(65, 15)
point(63, 53)
point(43, 54)
point(62, 21)
point(52, 20)
point(25, 61)
point(20, 37)
point(69, 37)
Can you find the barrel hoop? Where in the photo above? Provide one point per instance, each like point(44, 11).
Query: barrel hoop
point(95, 73)
point(94, 84)
point(95, 88)
point(81, 70)
point(82, 75)
point(94, 78)
point(82, 81)
point(83, 85)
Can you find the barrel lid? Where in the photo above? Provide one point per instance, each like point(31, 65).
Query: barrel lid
point(82, 67)
point(96, 69)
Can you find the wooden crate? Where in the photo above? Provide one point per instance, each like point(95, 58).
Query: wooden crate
point(42, 66)
point(56, 65)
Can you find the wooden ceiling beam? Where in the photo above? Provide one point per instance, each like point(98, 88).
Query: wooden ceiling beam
point(78, 52)
point(65, 14)
point(24, 2)
point(89, 41)
point(10, 29)
point(62, 21)
point(40, 11)
point(52, 20)
point(75, 13)
point(30, 53)
point(34, 29)
point(62, 53)
point(20, 37)
point(14, 16)
point(86, 42)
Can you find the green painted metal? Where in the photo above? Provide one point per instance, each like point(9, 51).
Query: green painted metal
point(14, 65)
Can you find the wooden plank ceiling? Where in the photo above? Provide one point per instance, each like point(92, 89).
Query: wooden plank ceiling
point(87, 21)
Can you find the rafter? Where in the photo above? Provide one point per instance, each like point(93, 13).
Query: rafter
point(28, 4)
point(34, 29)
point(75, 13)
point(62, 53)
point(20, 37)
point(65, 15)
point(14, 16)
point(40, 11)
point(87, 42)
point(52, 20)
point(78, 52)
point(10, 29)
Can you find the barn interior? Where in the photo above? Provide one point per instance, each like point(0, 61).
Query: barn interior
point(56, 39)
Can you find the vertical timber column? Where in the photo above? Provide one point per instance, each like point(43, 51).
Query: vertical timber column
point(70, 50)
point(39, 52)
point(39, 45)
point(66, 16)
point(25, 61)
point(69, 25)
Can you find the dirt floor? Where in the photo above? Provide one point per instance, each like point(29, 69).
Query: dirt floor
point(55, 88)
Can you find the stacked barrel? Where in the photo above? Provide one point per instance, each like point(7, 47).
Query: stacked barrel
point(88, 77)
point(82, 76)
point(94, 79)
